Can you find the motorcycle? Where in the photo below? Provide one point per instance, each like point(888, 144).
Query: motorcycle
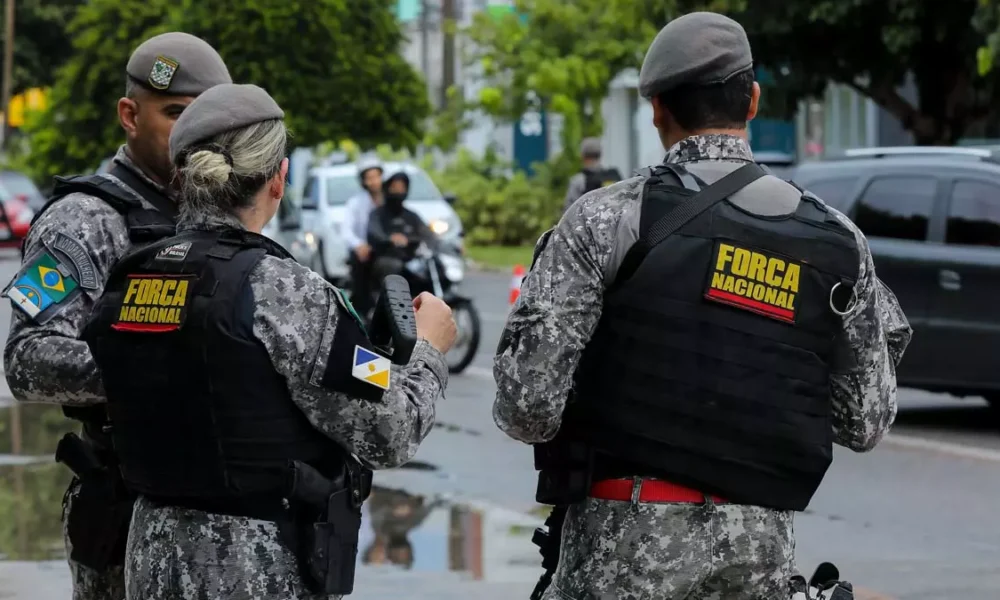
point(439, 272)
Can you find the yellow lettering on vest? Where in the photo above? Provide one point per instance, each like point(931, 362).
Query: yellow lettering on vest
point(154, 315)
point(166, 295)
point(123, 315)
point(791, 281)
point(133, 287)
point(155, 286)
point(758, 264)
point(140, 314)
point(782, 300)
point(718, 279)
point(790, 302)
point(725, 255)
point(180, 295)
point(771, 297)
point(775, 270)
point(727, 286)
point(741, 287)
point(758, 291)
point(131, 314)
point(741, 262)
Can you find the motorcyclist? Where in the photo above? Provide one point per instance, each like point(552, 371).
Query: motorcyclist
point(359, 208)
point(395, 232)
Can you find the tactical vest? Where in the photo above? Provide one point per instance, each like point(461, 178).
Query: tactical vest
point(710, 365)
point(144, 226)
point(597, 179)
point(200, 416)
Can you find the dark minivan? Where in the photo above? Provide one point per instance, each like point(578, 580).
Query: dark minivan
point(932, 219)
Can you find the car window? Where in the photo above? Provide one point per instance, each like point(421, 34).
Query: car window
point(17, 183)
point(310, 195)
point(974, 214)
point(340, 188)
point(835, 192)
point(896, 207)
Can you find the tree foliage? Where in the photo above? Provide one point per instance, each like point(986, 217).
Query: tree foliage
point(873, 46)
point(568, 52)
point(333, 66)
point(41, 45)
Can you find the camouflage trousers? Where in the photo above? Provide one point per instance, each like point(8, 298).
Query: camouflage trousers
point(622, 551)
point(89, 584)
point(182, 554)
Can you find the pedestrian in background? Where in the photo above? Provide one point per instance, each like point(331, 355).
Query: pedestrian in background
point(593, 176)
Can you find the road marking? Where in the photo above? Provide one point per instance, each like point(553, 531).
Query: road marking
point(919, 443)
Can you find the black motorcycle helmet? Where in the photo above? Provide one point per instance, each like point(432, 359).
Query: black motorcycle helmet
point(394, 200)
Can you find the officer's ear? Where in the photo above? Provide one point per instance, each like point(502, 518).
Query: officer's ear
point(278, 181)
point(128, 112)
point(754, 101)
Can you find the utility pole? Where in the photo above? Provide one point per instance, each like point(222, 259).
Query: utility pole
point(424, 26)
point(448, 24)
point(8, 64)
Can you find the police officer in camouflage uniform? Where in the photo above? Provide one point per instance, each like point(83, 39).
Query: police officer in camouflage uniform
point(725, 329)
point(241, 385)
point(90, 223)
point(593, 175)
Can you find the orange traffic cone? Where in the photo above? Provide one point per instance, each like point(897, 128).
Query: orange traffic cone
point(515, 283)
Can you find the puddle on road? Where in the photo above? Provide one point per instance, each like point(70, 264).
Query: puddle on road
point(399, 529)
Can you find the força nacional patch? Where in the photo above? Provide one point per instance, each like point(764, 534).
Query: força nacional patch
point(154, 303)
point(754, 280)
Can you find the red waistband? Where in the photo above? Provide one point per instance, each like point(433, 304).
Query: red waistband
point(650, 490)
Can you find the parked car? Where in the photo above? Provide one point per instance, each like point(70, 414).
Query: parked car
point(780, 164)
point(23, 188)
point(15, 219)
point(932, 219)
point(327, 190)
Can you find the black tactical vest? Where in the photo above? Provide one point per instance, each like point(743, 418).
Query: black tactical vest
point(200, 416)
point(600, 178)
point(710, 366)
point(144, 226)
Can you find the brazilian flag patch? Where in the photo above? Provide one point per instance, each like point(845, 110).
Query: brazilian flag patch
point(41, 286)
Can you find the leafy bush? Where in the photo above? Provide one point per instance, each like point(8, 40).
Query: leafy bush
point(500, 208)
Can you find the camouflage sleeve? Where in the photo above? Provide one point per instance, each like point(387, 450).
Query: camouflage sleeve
point(46, 362)
point(555, 315)
point(296, 315)
point(863, 375)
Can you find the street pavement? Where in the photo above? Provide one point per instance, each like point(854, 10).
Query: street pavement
point(914, 519)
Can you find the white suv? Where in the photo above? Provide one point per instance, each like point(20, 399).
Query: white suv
point(324, 203)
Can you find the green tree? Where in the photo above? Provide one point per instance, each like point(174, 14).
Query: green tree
point(566, 54)
point(872, 46)
point(333, 65)
point(41, 44)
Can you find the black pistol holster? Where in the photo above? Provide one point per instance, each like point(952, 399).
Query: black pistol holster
point(326, 525)
point(549, 543)
point(98, 520)
point(565, 469)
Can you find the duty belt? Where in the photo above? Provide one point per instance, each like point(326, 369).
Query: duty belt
point(638, 489)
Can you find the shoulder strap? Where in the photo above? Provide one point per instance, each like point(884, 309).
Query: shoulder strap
point(688, 180)
point(699, 203)
point(150, 194)
point(681, 215)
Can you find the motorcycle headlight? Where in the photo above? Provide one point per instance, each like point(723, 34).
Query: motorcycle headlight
point(439, 226)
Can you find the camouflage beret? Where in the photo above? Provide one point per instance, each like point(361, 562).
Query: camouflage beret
point(178, 64)
point(222, 108)
point(700, 48)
